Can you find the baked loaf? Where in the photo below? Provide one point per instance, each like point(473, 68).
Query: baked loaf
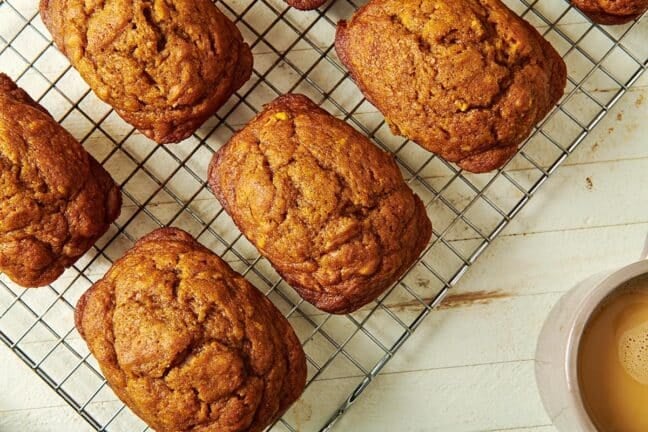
point(187, 343)
point(55, 199)
point(612, 11)
point(329, 210)
point(164, 65)
point(465, 79)
point(306, 4)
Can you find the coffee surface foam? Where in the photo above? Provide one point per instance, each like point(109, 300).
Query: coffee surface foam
point(633, 352)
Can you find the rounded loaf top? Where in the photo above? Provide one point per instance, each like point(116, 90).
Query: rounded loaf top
point(306, 4)
point(329, 209)
point(466, 79)
point(187, 343)
point(612, 11)
point(55, 199)
point(164, 65)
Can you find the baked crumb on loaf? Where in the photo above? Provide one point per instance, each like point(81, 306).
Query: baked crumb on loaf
point(164, 65)
point(187, 343)
point(329, 210)
point(55, 199)
point(612, 11)
point(465, 79)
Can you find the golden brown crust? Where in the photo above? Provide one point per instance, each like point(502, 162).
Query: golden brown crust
point(306, 4)
point(164, 65)
point(612, 11)
point(328, 209)
point(187, 343)
point(466, 79)
point(55, 199)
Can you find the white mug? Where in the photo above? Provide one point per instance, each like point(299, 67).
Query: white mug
point(557, 350)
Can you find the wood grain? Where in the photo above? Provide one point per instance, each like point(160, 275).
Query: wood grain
point(469, 367)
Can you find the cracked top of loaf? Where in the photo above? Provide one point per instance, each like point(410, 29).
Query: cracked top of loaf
point(164, 65)
point(465, 79)
point(187, 343)
point(612, 11)
point(55, 199)
point(328, 208)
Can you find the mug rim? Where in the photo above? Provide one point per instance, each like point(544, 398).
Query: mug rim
point(584, 312)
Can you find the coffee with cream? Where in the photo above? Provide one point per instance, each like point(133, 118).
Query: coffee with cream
point(613, 360)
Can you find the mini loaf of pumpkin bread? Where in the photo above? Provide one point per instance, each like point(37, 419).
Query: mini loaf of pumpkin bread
point(465, 79)
point(164, 65)
point(55, 199)
point(329, 210)
point(612, 11)
point(187, 343)
point(306, 4)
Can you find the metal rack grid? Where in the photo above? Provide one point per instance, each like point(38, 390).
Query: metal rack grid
point(164, 185)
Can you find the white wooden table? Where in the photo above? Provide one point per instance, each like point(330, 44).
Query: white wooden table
point(470, 367)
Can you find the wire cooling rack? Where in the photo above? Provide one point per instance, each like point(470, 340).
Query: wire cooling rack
point(165, 185)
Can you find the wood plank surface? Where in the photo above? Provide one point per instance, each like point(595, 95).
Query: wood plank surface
point(470, 366)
